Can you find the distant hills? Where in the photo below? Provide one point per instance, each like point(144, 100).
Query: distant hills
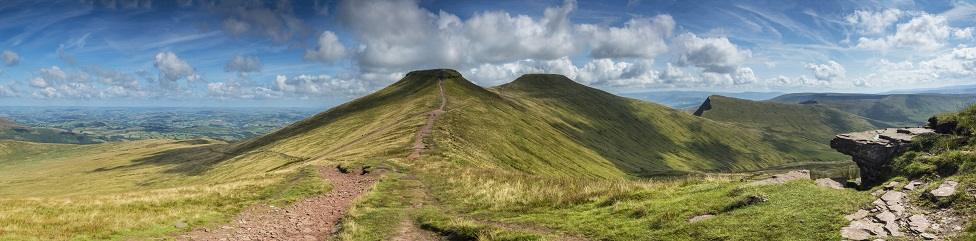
point(815, 123)
point(691, 99)
point(10, 130)
point(894, 109)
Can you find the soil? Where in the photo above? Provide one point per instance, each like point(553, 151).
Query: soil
point(418, 144)
point(310, 219)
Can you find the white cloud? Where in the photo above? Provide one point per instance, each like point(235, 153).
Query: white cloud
point(275, 20)
point(321, 85)
point(639, 37)
point(828, 72)
point(328, 50)
point(243, 64)
point(716, 55)
point(8, 91)
point(172, 68)
point(87, 83)
point(963, 33)
point(236, 90)
point(922, 32)
point(744, 76)
point(10, 58)
point(409, 37)
point(874, 22)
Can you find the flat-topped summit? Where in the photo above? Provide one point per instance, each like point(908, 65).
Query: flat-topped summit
point(439, 73)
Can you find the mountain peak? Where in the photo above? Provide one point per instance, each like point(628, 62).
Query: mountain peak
point(439, 73)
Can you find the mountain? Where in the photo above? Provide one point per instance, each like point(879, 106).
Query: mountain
point(956, 89)
point(691, 99)
point(10, 130)
point(545, 124)
point(815, 123)
point(896, 109)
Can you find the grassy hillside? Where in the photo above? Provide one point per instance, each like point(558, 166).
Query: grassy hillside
point(548, 124)
point(11, 131)
point(896, 109)
point(815, 123)
point(540, 132)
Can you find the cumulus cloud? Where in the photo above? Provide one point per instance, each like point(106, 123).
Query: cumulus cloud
point(236, 90)
point(320, 85)
point(87, 83)
point(172, 68)
point(10, 58)
point(827, 72)
point(243, 64)
point(328, 49)
point(410, 37)
point(639, 37)
point(874, 22)
point(922, 32)
point(716, 55)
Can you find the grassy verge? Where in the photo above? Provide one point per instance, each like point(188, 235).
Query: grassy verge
point(107, 191)
point(456, 228)
point(648, 210)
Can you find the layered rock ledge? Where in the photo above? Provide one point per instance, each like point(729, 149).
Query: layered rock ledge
point(874, 150)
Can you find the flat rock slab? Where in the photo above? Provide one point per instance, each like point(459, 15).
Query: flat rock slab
point(947, 188)
point(828, 183)
point(784, 178)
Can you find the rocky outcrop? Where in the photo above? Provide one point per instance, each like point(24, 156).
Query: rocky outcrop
point(874, 150)
point(893, 215)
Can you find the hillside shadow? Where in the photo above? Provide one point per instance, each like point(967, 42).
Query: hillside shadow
point(189, 161)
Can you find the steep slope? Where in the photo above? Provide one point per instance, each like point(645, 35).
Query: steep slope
point(815, 123)
point(12, 131)
point(896, 109)
point(549, 124)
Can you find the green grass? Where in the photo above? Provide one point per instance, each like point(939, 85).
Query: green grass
point(604, 209)
point(106, 192)
point(547, 124)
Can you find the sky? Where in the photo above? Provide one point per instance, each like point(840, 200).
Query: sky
point(321, 53)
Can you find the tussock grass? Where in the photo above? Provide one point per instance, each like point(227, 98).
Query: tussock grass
point(649, 209)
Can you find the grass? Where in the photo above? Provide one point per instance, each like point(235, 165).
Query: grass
point(550, 125)
point(605, 209)
point(93, 192)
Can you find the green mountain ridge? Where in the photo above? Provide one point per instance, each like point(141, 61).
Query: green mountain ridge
point(895, 109)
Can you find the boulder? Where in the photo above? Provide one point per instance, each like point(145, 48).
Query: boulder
point(828, 183)
point(873, 151)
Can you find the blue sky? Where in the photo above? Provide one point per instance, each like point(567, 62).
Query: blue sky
point(319, 53)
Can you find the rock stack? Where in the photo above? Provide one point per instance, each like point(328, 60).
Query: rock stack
point(874, 150)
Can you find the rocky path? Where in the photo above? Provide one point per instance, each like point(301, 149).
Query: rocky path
point(310, 219)
point(418, 144)
point(894, 216)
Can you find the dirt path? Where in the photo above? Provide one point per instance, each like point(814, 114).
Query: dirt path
point(418, 143)
point(310, 219)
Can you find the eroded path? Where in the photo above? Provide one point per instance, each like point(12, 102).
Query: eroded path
point(418, 144)
point(310, 219)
